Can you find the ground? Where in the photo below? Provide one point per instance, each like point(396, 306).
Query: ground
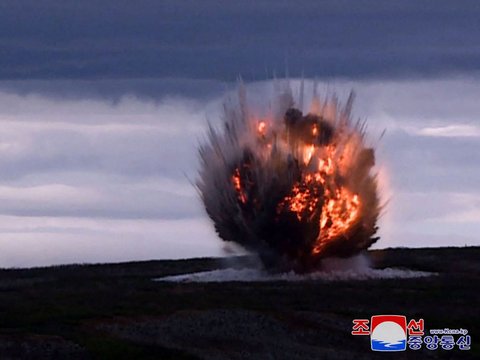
point(116, 311)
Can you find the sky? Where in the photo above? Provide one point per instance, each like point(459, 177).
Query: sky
point(103, 105)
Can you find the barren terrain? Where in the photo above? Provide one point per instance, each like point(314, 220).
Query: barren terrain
point(116, 311)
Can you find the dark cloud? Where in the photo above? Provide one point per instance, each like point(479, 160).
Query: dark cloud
point(219, 40)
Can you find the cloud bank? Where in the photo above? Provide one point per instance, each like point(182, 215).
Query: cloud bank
point(218, 40)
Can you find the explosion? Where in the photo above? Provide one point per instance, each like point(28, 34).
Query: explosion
point(293, 187)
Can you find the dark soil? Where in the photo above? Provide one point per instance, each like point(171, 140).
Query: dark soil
point(116, 311)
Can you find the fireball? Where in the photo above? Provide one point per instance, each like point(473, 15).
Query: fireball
point(293, 187)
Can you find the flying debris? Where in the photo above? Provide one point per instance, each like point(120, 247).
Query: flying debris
point(293, 186)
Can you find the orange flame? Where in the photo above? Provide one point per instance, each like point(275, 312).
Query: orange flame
point(238, 186)
point(339, 213)
point(341, 207)
point(302, 201)
point(262, 128)
point(308, 153)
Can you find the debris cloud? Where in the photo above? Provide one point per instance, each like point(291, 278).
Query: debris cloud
point(293, 185)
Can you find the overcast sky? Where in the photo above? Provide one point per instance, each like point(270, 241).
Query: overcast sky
point(102, 105)
point(219, 40)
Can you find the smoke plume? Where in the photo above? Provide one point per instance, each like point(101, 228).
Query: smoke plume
point(293, 185)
